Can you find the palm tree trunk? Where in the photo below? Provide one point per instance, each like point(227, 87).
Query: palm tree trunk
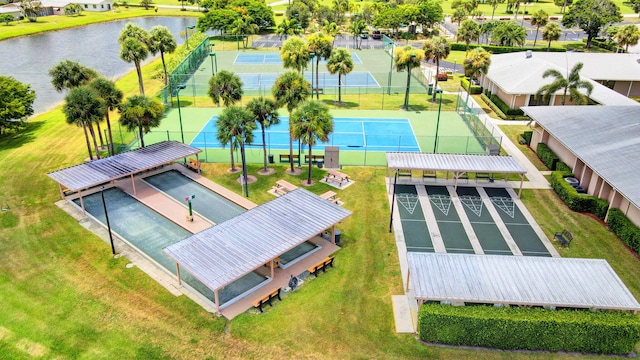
point(141, 136)
point(317, 82)
point(264, 146)
point(139, 71)
point(564, 96)
point(245, 177)
point(549, 46)
point(436, 82)
point(100, 134)
point(86, 137)
point(113, 152)
point(290, 144)
point(310, 165)
point(536, 39)
point(339, 88)
point(164, 66)
point(95, 143)
point(233, 164)
point(493, 12)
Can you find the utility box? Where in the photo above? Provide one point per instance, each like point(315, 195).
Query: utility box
point(332, 157)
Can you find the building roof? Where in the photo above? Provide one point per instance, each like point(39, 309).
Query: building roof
point(454, 162)
point(101, 171)
point(226, 252)
point(515, 73)
point(605, 138)
point(520, 280)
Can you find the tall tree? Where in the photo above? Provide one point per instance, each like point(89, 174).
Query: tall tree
point(551, 32)
point(30, 9)
point(265, 113)
point(591, 16)
point(111, 98)
point(83, 107)
point(69, 74)
point(162, 41)
point(225, 87)
point(311, 122)
point(627, 35)
point(133, 48)
point(142, 113)
point(356, 27)
point(468, 31)
point(494, 5)
point(236, 125)
point(571, 84)
point(509, 33)
point(290, 89)
point(487, 27)
point(16, 103)
point(288, 27)
point(407, 58)
point(321, 45)
point(435, 49)
point(244, 27)
point(538, 19)
point(300, 12)
point(429, 13)
point(340, 62)
point(477, 63)
point(295, 54)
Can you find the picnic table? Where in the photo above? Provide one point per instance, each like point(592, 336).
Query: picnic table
point(331, 196)
point(337, 177)
point(282, 187)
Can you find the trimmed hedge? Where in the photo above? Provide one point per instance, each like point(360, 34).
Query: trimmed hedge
point(547, 156)
point(475, 89)
point(624, 228)
point(499, 112)
point(602, 332)
point(578, 202)
point(564, 169)
point(497, 49)
point(525, 138)
point(504, 107)
point(605, 44)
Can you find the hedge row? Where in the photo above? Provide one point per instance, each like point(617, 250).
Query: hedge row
point(493, 107)
point(475, 89)
point(526, 136)
point(547, 156)
point(496, 49)
point(605, 44)
point(603, 332)
point(575, 201)
point(504, 107)
point(624, 228)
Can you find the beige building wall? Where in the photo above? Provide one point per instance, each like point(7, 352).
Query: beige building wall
point(627, 88)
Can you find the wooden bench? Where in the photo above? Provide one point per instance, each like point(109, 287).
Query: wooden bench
point(431, 174)
point(314, 158)
point(331, 196)
point(564, 238)
point(406, 173)
point(336, 177)
point(274, 293)
point(282, 187)
point(194, 165)
point(485, 176)
point(285, 158)
point(322, 265)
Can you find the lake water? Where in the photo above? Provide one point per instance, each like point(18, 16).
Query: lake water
point(28, 59)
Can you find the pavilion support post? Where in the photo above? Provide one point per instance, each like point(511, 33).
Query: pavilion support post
point(217, 300)
point(82, 202)
point(133, 184)
point(273, 269)
point(333, 234)
point(455, 183)
point(178, 273)
point(521, 182)
point(61, 192)
point(506, 177)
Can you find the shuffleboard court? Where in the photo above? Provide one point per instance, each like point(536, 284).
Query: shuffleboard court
point(483, 225)
point(327, 80)
point(370, 134)
point(453, 234)
point(519, 228)
point(414, 225)
point(273, 58)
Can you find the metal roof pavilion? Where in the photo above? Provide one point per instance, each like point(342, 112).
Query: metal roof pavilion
point(518, 280)
point(87, 175)
point(226, 252)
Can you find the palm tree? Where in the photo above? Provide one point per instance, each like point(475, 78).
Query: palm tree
point(83, 107)
point(311, 122)
point(551, 32)
point(287, 27)
point(142, 113)
point(225, 87)
point(508, 33)
point(265, 113)
point(538, 19)
point(236, 125)
point(435, 49)
point(295, 54)
point(407, 57)
point(111, 98)
point(244, 27)
point(570, 85)
point(627, 35)
point(468, 31)
point(331, 29)
point(340, 62)
point(69, 74)
point(290, 89)
point(321, 45)
point(161, 40)
point(356, 28)
point(133, 48)
point(494, 5)
point(477, 63)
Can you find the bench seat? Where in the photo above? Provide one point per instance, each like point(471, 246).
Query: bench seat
point(321, 265)
point(266, 299)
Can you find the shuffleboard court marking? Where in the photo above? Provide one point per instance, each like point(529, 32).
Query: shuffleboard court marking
point(473, 203)
point(408, 201)
point(442, 202)
point(505, 204)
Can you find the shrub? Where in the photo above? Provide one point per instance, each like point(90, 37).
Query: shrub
point(624, 228)
point(602, 332)
point(547, 156)
point(497, 49)
point(527, 136)
point(504, 107)
point(564, 169)
point(475, 89)
point(577, 202)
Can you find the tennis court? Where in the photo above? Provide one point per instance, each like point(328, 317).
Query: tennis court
point(273, 58)
point(325, 80)
point(371, 134)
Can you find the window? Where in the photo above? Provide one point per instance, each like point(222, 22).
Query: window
point(86, 6)
point(609, 83)
point(101, 6)
point(539, 101)
point(94, 6)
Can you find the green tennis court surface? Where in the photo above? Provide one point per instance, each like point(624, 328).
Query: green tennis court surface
point(453, 234)
point(483, 225)
point(519, 228)
point(414, 225)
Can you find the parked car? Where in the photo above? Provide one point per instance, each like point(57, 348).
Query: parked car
point(442, 76)
point(376, 34)
point(364, 34)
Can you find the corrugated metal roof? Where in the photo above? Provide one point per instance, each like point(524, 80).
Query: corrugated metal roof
point(454, 162)
point(226, 252)
point(605, 138)
point(100, 171)
point(524, 280)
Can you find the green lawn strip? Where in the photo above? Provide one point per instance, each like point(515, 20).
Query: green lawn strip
point(512, 132)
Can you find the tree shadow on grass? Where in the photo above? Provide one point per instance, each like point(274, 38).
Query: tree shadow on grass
point(430, 105)
point(342, 105)
point(17, 138)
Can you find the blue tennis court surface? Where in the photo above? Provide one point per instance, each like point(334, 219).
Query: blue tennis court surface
point(348, 134)
point(273, 58)
point(325, 80)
